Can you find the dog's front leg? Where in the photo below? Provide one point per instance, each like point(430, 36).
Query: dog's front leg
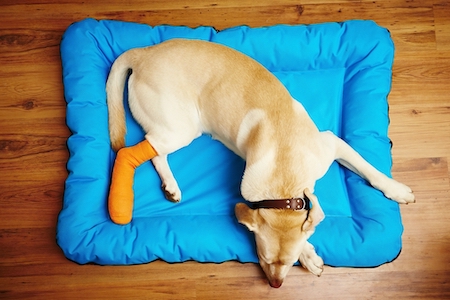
point(169, 184)
point(351, 159)
point(310, 260)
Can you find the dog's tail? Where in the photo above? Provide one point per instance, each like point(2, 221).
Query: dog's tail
point(114, 93)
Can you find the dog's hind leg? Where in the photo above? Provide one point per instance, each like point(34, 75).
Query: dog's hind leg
point(169, 184)
point(352, 160)
point(167, 142)
point(169, 127)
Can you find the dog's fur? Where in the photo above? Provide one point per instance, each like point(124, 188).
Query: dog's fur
point(180, 89)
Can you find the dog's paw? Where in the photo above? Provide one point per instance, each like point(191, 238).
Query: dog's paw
point(398, 192)
point(172, 193)
point(310, 260)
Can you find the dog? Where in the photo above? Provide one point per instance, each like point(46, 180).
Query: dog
point(180, 89)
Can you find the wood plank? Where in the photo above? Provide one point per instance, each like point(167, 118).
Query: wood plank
point(33, 203)
point(411, 23)
point(442, 20)
point(36, 167)
point(101, 289)
point(193, 17)
point(20, 147)
point(410, 134)
point(414, 109)
point(118, 5)
point(412, 70)
point(32, 90)
point(418, 33)
point(15, 244)
point(22, 40)
point(426, 225)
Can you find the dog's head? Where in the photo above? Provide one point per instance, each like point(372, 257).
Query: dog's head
point(280, 235)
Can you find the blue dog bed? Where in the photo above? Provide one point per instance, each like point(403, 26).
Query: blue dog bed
point(341, 72)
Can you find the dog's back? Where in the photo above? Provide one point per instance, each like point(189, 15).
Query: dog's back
point(174, 81)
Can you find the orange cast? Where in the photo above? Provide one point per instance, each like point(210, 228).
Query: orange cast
point(121, 196)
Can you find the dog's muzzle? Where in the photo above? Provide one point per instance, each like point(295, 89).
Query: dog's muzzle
point(293, 203)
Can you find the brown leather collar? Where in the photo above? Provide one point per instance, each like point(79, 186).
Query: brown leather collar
point(294, 203)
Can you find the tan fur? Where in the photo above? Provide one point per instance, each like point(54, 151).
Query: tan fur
point(180, 89)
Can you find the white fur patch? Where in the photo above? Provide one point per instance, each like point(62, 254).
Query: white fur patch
point(251, 119)
point(256, 175)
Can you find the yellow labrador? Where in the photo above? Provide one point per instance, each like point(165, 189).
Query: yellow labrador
point(180, 89)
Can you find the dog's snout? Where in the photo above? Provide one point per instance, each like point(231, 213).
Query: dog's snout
point(275, 283)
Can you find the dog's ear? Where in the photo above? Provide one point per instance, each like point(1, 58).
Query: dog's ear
point(315, 215)
point(246, 216)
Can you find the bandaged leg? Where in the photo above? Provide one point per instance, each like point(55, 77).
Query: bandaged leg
point(121, 196)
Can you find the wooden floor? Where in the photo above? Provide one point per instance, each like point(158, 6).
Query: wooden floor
point(33, 154)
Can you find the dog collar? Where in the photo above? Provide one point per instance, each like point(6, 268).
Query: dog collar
point(293, 203)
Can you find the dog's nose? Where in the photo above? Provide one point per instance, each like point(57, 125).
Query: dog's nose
point(275, 283)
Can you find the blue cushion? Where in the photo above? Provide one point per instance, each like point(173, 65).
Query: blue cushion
point(341, 73)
